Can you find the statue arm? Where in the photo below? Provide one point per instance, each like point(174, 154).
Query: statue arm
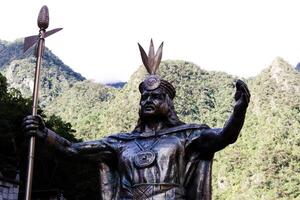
point(218, 138)
point(62, 145)
point(35, 126)
point(81, 149)
point(232, 127)
point(234, 124)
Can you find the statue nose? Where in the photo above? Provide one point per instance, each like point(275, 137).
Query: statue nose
point(148, 99)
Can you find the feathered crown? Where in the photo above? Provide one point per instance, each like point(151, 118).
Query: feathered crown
point(151, 62)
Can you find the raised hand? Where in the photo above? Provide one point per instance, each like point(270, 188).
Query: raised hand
point(34, 126)
point(242, 96)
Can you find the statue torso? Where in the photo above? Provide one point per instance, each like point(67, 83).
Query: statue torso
point(150, 164)
point(155, 166)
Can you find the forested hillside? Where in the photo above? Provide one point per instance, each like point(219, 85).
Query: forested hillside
point(18, 68)
point(263, 164)
point(85, 106)
point(265, 161)
point(14, 144)
point(98, 110)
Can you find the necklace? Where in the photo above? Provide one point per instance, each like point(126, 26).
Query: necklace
point(146, 156)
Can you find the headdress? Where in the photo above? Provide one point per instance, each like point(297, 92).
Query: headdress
point(151, 63)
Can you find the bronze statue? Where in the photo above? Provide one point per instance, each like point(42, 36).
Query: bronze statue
point(39, 40)
point(162, 158)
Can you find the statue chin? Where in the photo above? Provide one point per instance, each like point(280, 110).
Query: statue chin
point(149, 112)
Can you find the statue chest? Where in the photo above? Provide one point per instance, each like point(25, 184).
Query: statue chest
point(152, 160)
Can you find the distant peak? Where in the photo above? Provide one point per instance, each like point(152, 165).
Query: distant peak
point(279, 70)
point(279, 62)
point(279, 65)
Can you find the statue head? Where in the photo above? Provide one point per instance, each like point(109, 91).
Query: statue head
point(157, 94)
point(153, 104)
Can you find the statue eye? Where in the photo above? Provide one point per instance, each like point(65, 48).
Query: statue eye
point(157, 96)
point(144, 97)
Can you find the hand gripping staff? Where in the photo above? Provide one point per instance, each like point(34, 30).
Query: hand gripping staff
point(43, 23)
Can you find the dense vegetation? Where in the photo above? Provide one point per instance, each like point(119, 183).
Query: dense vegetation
point(13, 108)
point(97, 110)
point(14, 145)
point(263, 164)
point(18, 68)
point(85, 106)
point(265, 161)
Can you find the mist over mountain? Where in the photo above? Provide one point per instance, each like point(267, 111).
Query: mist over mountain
point(264, 163)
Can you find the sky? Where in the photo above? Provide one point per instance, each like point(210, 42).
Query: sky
point(99, 38)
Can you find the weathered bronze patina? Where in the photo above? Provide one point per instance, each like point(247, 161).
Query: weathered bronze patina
point(43, 23)
point(162, 158)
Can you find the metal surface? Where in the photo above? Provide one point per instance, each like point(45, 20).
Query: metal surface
point(43, 18)
point(32, 40)
point(43, 23)
point(162, 158)
point(34, 113)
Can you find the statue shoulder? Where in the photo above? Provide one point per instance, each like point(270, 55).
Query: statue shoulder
point(195, 126)
point(121, 137)
point(202, 126)
point(196, 130)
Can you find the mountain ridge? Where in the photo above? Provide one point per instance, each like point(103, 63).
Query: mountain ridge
point(19, 68)
point(262, 164)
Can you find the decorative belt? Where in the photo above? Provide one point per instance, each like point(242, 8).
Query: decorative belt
point(147, 190)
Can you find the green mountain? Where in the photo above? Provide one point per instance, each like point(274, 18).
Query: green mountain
point(198, 98)
point(18, 68)
point(84, 106)
point(263, 164)
point(14, 150)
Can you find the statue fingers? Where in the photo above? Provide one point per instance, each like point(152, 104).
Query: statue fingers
point(242, 86)
point(237, 95)
point(239, 83)
point(30, 130)
point(246, 91)
point(30, 126)
point(30, 119)
point(29, 122)
point(246, 98)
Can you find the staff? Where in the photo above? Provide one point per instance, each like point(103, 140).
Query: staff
point(43, 23)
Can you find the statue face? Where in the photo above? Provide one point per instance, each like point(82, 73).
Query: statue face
point(153, 103)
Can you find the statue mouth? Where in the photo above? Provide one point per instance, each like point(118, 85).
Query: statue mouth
point(149, 107)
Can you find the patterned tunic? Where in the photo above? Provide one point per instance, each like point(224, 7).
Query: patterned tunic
point(170, 164)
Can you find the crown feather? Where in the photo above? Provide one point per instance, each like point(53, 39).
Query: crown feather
point(144, 58)
point(151, 61)
point(151, 57)
point(158, 56)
